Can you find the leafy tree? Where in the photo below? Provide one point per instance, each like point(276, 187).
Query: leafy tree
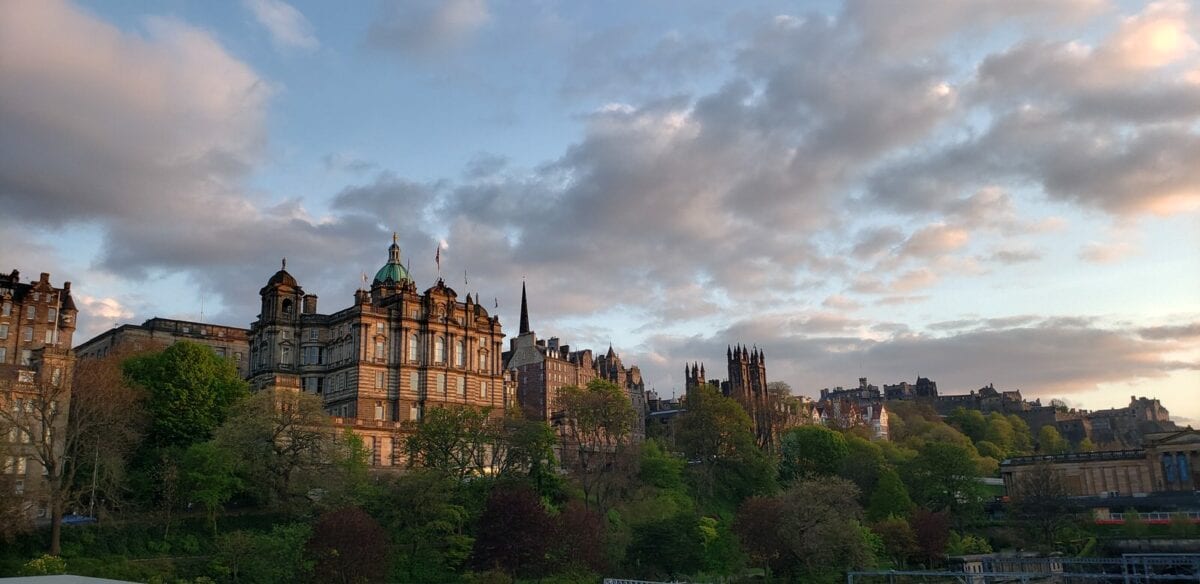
point(944, 476)
point(1000, 433)
point(863, 464)
point(598, 422)
point(1040, 501)
point(276, 557)
point(208, 477)
point(667, 548)
point(966, 544)
point(190, 392)
point(1134, 526)
point(1022, 437)
point(579, 534)
point(890, 498)
point(428, 523)
point(1086, 445)
point(716, 435)
point(988, 449)
point(809, 451)
point(899, 539)
point(86, 425)
point(277, 437)
point(756, 528)
point(514, 533)
point(816, 527)
point(969, 422)
point(933, 535)
point(1051, 442)
point(348, 547)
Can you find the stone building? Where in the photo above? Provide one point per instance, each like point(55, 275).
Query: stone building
point(37, 321)
point(540, 368)
point(384, 360)
point(862, 406)
point(226, 341)
point(770, 413)
point(1167, 462)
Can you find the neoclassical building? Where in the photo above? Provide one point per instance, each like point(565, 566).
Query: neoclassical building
point(385, 359)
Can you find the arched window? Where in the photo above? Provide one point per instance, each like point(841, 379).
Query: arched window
point(287, 307)
point(460, 354)
point(439, 349)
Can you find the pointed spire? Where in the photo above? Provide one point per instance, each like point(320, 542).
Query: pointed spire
point(728, 352)
point(702, 370)
point(524, 310)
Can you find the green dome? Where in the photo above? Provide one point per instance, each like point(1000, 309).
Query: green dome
point(392, 271)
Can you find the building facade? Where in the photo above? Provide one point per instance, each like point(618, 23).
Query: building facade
point(229, 342)
point(1168, 462)
point(37, 322)
point(540, 368)
point(384, 360)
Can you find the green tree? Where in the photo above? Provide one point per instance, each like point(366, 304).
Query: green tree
point(945, 476)
point(282, 441)
point(966, 544)
point(989, 450)
point(890, 498)
point(422, 512)
point(1086, 445)
point(1000, 433)
point(597, 431)
point(969, 422)
point(190, 392)
point(253, 557)
point(1134, 526)
point(1022, 437)
point(809, 451)
point(208, 476)
point(899, 539)
point(715, 435)
point(863, 463)
point(667, 548)
point(1051, 442)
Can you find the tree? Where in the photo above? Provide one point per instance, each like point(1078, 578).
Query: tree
point(755, 526)
point(890, 498)
point(87, 422)
point(428, 525)
point(1000, 433)
point(277, 436)
point(348, 547)
point(208, 477)
point(969, 422)
point(1051, 442)
point(667, 548)
point(276, 557)
point(899, 539)
point(945, 477)
point(1086, 445)
point(191, 390)
point(819, 529)
point(933, 535)
point(1040, 501)
point(514, 533)
point(1022, 437)
point(715, 435)
point(863, 464)
point(579, 535)
point(597, 425)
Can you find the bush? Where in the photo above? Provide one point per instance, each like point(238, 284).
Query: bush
point(44, 565)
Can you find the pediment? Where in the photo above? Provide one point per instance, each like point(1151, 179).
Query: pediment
point(1181, 437)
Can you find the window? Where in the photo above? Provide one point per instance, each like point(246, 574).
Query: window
point(26, 356)
point(483, 389)
point(56, 376)
point(48, 338)
point(379, 328)
point(379, 351)
point(51, 315)
point(314, 335)
point(30, 312)
point(439, 349)
point(27, 334)
point(3, 331)
point(414, 381)
point(3, 355)
point(414, 412)
point(6, 309)
point(413, 342)
point(460, 354)
point(18, 404)
point(285, 355)
point(462, 387)
point(312, 355)
point(483, 360)
point(378, 410)
point(441, 383)
point(379, 379)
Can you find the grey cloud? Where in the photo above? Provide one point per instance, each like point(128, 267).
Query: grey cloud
point(1010, 256)
point(1171, 332)
point(426, 27)
point(602, 64)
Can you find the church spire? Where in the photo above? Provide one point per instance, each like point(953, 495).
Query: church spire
point(524, 311)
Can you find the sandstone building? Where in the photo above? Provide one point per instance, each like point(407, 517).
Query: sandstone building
point(156, 333)
point(37, 321)
point(384, 360)
point(1167, 462)
point(541, 368)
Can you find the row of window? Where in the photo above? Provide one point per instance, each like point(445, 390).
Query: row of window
point(50, 337)
point(30, 311)
point(340, 381)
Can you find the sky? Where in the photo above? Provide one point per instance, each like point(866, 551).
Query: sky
point(976, 192)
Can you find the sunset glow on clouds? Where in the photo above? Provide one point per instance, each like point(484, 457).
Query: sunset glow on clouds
point(984, 192)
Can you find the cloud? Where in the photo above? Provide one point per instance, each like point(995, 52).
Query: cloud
point(426, 27)
point(1014, 255)
point(97, 315)
point(1106, 252)
point(289, 28)
point(346, 162)
point(1171, 332)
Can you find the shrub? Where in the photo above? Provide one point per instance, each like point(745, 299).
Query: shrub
point(44, 565)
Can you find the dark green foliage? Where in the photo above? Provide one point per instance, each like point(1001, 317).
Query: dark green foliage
point(349, 547)
point(727, 466)
point(899, 540)
point(969, 422)
point(863, 464)
point(253, 557)
point(667, 548)
point(428, 524)
point(944, 476)
point(810, 451)
point(890, 498)
point(190, 392)
point(515, 533)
